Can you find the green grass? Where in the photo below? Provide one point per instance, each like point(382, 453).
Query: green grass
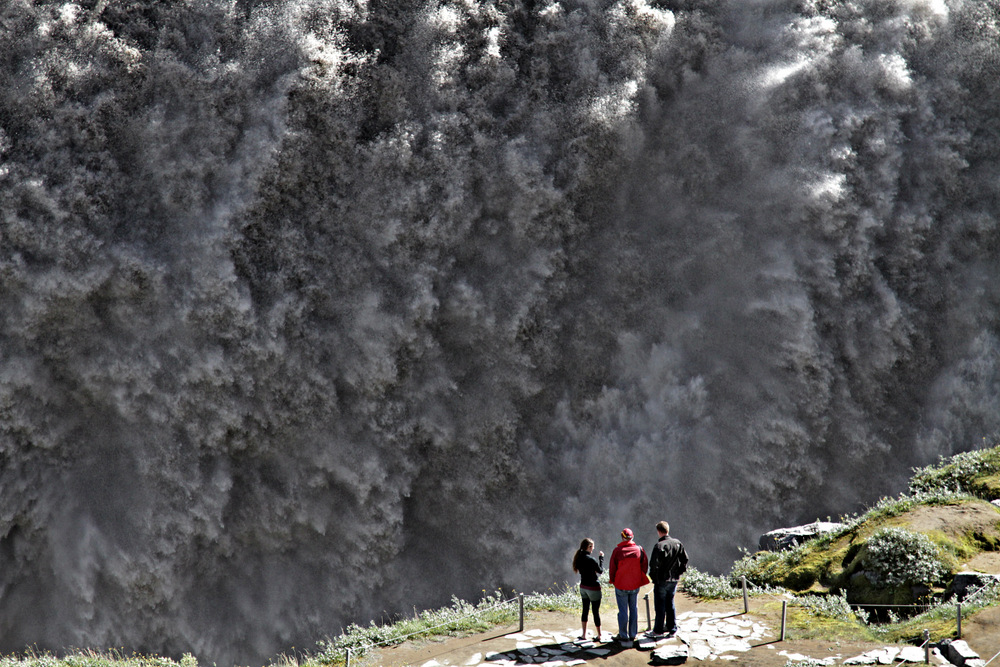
point(458, 619)
point(89, 658)
point(976, 473)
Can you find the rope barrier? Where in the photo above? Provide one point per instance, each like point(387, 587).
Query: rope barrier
point(991, 660)
point(981, 589)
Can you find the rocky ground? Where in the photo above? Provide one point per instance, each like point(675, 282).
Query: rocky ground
point(710, 632)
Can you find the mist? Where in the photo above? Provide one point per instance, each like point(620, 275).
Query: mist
point(320, 311)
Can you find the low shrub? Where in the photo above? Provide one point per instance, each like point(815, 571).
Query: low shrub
point(710, 587)
point(896, 557)
point(828, 606)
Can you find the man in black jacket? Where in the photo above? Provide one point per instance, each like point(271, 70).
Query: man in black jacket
point(666, 565)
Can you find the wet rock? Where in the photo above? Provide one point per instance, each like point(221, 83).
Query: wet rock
point(789, 538)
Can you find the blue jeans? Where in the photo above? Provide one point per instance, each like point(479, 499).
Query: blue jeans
point(663, 602)
point(628, 613)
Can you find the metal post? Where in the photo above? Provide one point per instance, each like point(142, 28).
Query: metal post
point(927, 647)
point(520, 599)
point(348, 658)
point(958, 620)
point(784, 612)
point(648, 626)
point(746, 601)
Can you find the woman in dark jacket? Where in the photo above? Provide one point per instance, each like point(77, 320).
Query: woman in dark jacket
point(590, 589)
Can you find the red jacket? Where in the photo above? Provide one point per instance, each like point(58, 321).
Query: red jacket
point(628, 566)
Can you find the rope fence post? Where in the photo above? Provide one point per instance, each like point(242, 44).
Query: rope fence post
point(646, 598)
point(746, 600)
point(520, 599)
point(958, 620)
point(348, 658)
point(784, 613)
point(927, 647)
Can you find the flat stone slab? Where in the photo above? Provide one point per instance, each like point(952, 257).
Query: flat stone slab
point(671, 651)
point(699, 650)
point(911, 654)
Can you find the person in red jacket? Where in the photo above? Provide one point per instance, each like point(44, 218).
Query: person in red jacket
point(627, 573)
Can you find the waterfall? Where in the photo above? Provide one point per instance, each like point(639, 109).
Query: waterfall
point(319, 311)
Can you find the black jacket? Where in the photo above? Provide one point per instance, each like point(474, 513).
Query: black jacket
point(590, 568)
point(668, 562)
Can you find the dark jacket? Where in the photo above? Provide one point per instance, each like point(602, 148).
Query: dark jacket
point(590, 569)
point(668, 562)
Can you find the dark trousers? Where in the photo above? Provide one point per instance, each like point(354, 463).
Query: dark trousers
point(663, 603)
point(591, 598)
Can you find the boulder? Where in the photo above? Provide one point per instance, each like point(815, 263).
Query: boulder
point(958, 653)
point(789, 538)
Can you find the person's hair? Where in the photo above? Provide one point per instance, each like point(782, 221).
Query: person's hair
point(581, 552)
point(663, 527)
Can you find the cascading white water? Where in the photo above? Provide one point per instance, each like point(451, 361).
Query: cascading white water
point(318, 311)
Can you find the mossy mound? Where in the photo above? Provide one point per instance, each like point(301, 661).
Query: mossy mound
point(903, 551)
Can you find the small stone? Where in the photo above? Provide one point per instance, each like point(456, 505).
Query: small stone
point(863, 659)
point(794, 657)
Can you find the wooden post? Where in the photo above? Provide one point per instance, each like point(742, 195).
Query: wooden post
point(746, 601)
point(958, 620)
point(520, 599)
point(348, 658)
point(648, 626)
point(927, 647)
point(784, 614)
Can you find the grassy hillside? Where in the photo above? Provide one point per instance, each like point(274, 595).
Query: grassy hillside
point(904, 550)
point(896, 562)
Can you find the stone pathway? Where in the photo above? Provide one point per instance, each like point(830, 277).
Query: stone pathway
point(702, 636)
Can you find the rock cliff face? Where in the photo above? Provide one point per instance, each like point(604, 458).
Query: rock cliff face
point(318, 310)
